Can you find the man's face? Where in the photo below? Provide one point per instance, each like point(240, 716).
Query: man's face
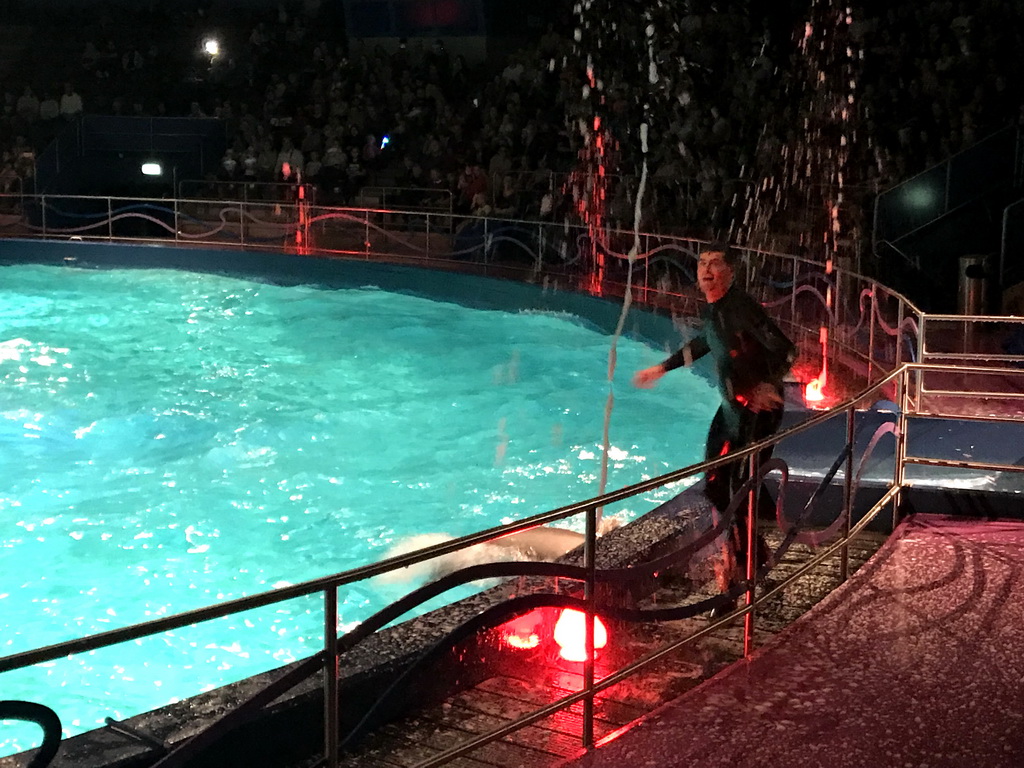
point(714, 275)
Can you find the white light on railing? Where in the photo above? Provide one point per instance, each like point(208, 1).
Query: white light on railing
point(152, 169)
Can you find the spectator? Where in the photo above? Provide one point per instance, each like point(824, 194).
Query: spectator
point(70, 102)
point(500, 165)
point(370, 151)
point(28, 106)
point(472, 182)
point(334, 157)
point(230, 169)
point(250, 161)
point(90, 56)
point(9, 180)
point(289, 155)
point(49, 109)
point(506, 202)
point(355, 174)
point(313, 168)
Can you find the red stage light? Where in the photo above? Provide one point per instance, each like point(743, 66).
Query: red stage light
point(813, 392)
point(571, 635)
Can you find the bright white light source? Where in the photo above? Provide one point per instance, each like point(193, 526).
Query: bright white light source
point(211, 46)
point(152, 169)
point(571, 633)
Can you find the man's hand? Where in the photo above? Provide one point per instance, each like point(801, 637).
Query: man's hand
point(646, 378)
point(763, 397)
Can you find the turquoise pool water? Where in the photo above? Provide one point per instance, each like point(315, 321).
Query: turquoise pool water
point(171, 440)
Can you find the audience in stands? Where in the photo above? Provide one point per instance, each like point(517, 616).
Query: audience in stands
point(291, 89)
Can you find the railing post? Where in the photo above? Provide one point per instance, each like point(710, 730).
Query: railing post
point(647, 270)
point(484, 246)
point(110, 219)
point(838, 301)
point(541, 243)
point(331, 676)
point(1002, 245)
point(873, 314)
point(42, 204)
point(792, 295)
point(901, 444)
point(751, 565)
point(590, 596)
point(921, 351)
point(844, 553)
point(898, 359)
point(949, 182)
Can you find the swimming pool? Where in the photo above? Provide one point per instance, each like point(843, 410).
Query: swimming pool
point(173, 439)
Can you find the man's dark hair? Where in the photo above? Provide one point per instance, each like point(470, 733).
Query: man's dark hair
point(722, 247)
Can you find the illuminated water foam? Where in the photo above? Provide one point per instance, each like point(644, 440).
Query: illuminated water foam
point(172, 440)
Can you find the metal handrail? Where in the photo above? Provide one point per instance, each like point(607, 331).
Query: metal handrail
point(328, 584)
point(890, 496)
point(659, 653)
point(303, 589)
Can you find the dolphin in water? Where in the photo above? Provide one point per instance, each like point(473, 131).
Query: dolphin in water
point(541, 544)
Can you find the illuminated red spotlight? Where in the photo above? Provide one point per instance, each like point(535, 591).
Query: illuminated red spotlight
point(571, 635)
point(814, 392)
point(524, 632)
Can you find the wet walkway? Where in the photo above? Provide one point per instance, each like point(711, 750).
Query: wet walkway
point(917, 661)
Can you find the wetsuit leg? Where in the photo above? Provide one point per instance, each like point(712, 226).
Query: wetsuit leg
point(720, 485)
point(718, 482)
point(753, 428)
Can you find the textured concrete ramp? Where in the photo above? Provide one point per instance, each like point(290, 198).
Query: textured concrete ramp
point(916, 662)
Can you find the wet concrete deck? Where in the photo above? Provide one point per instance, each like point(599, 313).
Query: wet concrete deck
point(541, 679)
point(915, 661)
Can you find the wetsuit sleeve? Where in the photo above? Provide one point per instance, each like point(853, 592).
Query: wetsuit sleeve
point(779, 350)
point(694, 349)
point(761, 352)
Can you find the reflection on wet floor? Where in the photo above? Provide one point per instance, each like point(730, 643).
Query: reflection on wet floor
point(915, 661)
point(545, 678)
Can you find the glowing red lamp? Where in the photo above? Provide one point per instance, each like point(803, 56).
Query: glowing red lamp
point(571, 635)
point(814, 392)
point(524, 632)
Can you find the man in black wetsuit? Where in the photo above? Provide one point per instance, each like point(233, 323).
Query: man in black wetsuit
point(751, 356)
